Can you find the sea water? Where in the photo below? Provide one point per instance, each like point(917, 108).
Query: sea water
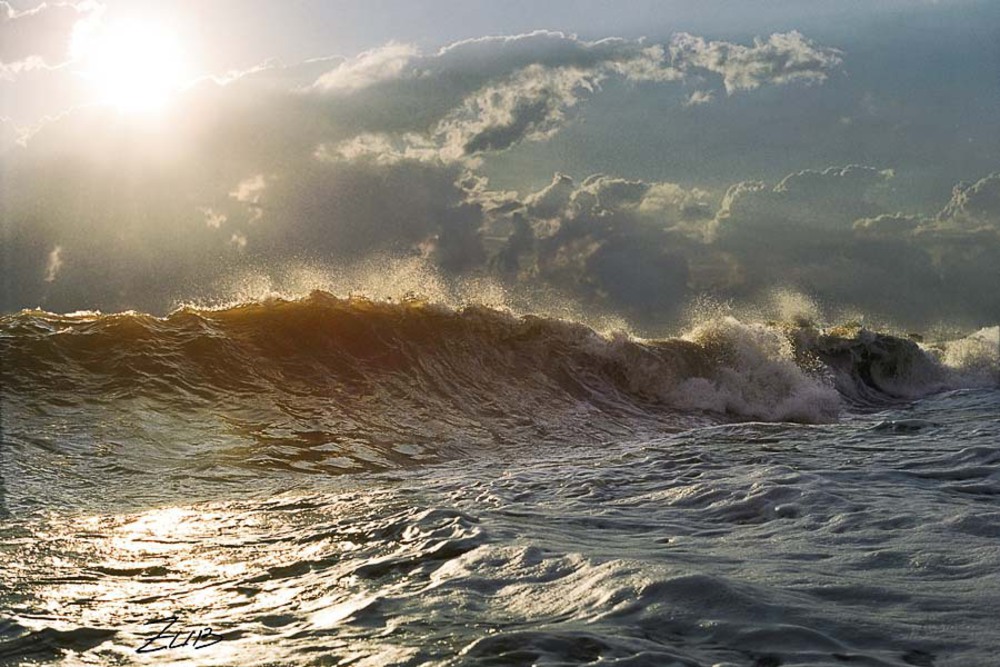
point(340, 482)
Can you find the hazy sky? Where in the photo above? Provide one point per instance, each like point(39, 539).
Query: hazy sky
point(630, 154)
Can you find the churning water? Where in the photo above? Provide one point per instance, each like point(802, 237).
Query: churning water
point(343, 482)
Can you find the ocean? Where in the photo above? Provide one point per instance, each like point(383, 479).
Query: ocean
point(338, 481)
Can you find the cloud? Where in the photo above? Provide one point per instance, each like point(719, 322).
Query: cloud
point(553, 200)
point(614, 243)
point(781, 58)
point(490, 94)
point(476, 96)
point(386, 149)
point(40, 37)
point(699, 97)
point(329, 162)
point(249, 191)
point(599, 196)
point(974, 206)
point(10, 71)
point(10, 134)
point(805, 201)
point(213, 218)
point(887, 224)
point(674, 203)
point(531, 105)
point(458, 104)
point(54, 264)
point(825, 233)
point(383, 64)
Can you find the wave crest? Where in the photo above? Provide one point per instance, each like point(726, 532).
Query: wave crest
point(394, 380)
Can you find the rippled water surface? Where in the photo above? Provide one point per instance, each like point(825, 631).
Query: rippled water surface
point(872, 541)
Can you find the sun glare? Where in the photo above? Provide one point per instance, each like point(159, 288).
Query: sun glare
point(134, 66)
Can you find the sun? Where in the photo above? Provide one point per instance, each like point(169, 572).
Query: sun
point(135, 66)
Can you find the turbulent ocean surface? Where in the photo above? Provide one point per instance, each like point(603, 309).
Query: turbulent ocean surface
point(325, 481)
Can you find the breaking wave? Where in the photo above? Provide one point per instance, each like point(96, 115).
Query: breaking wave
point(354, 382)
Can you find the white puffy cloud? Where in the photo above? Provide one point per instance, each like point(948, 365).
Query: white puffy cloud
point(383, 64)
point(781, 58)
point(489, 94)
point(530, 105)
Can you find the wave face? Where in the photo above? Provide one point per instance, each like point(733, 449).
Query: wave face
point(329, 384)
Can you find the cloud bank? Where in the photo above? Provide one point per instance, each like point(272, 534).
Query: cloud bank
point(328, 162)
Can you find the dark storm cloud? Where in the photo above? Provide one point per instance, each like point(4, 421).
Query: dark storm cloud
point(610, 242)
point(824, 233)
point(553, 200)
point(649, 248)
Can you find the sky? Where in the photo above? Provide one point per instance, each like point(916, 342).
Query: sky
point(633, 157)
